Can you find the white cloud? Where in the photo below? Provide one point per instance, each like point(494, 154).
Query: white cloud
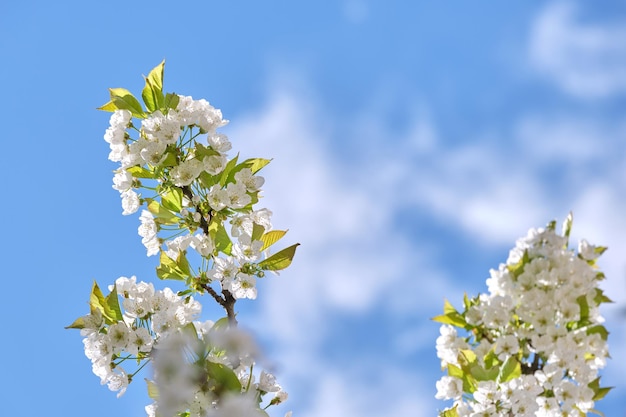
point(586, 60)
point(355, 260)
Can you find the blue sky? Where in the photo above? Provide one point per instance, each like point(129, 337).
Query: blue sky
point(413, 142)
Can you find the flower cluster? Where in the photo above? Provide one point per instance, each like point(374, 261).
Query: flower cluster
point(534, 344)
point(148, 316)
point(191, 359)
point(199, 215)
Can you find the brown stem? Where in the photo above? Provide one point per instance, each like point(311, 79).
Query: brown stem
point(230, 307)
point(228, 301)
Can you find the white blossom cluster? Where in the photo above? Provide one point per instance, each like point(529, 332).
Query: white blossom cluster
point(539, 327)
point(148, 316)
point(155, 327)
point(198, 215)
point(166, 138)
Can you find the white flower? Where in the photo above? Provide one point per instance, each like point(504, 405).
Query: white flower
point(153, 152)
point(214, 164)
point(251, 182)
point(218, 198)
point(164, 128)
point(130, 202)
point(186, 172)
point(118, 381)
point(139, 340)
point(243, 286)
point(119, 335)
point(219, 143)
point(449, 387)
point(224, 269)
point(122, 180)
point(267, 382)
point(203, 244)
point(177, 245)
point(247, 250)
point(148, 231)
point(237, 196)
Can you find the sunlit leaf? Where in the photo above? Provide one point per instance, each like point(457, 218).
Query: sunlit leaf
point(280, 260)
point(272, 237)
point(124, 100)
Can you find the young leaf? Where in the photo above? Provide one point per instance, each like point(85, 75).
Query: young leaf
point(173, 199)
point(517, 269)
point(280, 260)
point(170, 269)
point(141, 172)
point(112, 309)
point(220, 236)
point(152, 93)
point(511, 369)
point(255, 165)
point(225, 177)
point(96, 299)
point(153, 390)
point(110, 106)
point(79, 323)
point(450, 316)
point(222, 378)
point(449, 412)
point(124, 100)
point(567, 226)
point(271, 237)
point(599, 329)
point(599, 392)
point(162, 214)
point(171, 101)
point(257, 231)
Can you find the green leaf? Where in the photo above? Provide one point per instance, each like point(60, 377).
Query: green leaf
point(469, 383)
point(152, 93)
point(481, 374)
point(173, 199)
point(510, 369)
point(172, 269)
point(124, 100)
point(599, 329)
point(567, 226)
point(110, 106)
point(141, 172)
point(112, 310)
point(257, 231)
point(272, 237)
point(222, 378)
point(255, 165)
point(517, 269)
point(584, 308)
point(280, 260)
point(153, 390)
point(79, 323)
point(222, 323)
point(162, 214)
point(207, 180)
point(220, 236)
point(601, 298)
point(202, 151)
point(451, 316)
point(96, 299)
point(449, 412)
point(225, 176)
point(171, 101)
point(599, 392)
